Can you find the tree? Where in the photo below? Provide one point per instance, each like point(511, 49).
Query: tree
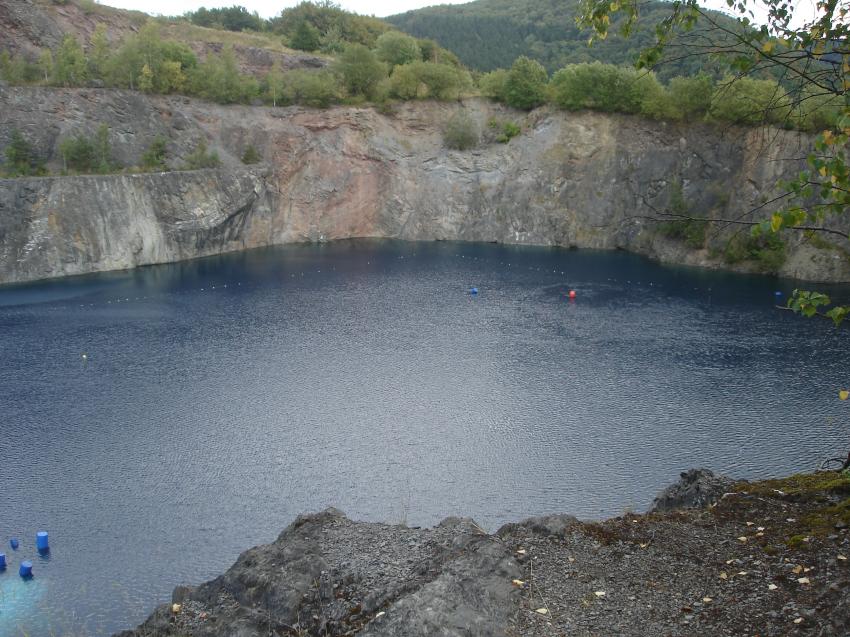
point(493, 85)
point(360, 70)
point(99, 53)
point(812, 58)
point(396, 48)
point(306, 37)
point(69, 67)
point(45, 64)
point(251, 156)
point(525, 86)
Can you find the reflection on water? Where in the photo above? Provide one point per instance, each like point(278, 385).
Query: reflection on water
point(158, 422)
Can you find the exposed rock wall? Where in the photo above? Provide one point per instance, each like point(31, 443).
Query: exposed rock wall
point(570, 179)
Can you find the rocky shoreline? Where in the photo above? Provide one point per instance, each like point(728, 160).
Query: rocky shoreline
point(712, 557)
point(576, 180)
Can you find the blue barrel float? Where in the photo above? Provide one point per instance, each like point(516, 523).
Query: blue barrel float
point(14, 543)
point(2, 562)
point(473, 291)
point(25, 570)
point(41, 542)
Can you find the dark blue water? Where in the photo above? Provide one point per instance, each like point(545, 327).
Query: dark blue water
point(222, 397)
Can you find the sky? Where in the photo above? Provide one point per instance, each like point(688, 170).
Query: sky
point(380, 8)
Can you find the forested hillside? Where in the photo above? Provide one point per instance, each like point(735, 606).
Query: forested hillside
point(490, 34)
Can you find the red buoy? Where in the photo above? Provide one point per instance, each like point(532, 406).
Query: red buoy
point(572, 294)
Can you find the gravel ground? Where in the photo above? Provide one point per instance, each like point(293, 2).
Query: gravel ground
point(727, 570)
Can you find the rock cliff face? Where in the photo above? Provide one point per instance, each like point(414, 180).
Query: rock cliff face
point(579, 180)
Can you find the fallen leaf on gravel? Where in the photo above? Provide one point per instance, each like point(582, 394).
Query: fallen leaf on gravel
point(542, 611)
point(742, 573)
point(806, 570)
point(729, 561)
point(759, 534)
point(723, 575)
point(772, 587)
point(599, 593)
point(842, 558)
point(644, 545)
point(804, 580)
point(381, 614)
point(518, 582)
point(797, 569)
point(707, 600)
point(521, 552)
point(799, 620)
point(790, 519)
point(571, 559)
point(760, 528)
point(750, 523)
point(743, 538)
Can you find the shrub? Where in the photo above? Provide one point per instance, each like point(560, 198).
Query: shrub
point(218, 79)
point(396, 48)
point(21, 159)
point(154, 157)
point(691, 231)
point(744, 100)
point(506, 130)
point(201, 158)
point(597, 86)
point(767, 250)
point(360, 70)
point(82, 154)
point(525, 86)
point(428, 80)
point(251, 156)
point(310, 88)
point(691, 96)
point(461, 132)
point(493, 84)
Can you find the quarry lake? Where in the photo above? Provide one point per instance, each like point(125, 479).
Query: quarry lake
point(221, 397)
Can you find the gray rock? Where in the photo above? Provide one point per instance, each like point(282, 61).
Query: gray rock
point(696, 488)
point(327, 575)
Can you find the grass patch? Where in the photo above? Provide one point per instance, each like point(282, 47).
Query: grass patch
point(188, 32)
point(800, 486)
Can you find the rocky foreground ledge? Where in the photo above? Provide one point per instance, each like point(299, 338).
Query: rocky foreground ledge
point(713, 557)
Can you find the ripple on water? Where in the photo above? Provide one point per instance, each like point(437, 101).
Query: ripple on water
point(221, 397)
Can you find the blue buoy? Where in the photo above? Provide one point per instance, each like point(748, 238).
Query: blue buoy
point(14, 543)
point(2, 562)
point(777, 293)
point(473, 290)
point(25, 570)
point(41, 542)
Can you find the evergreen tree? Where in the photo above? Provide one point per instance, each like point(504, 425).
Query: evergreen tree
point(306, 37)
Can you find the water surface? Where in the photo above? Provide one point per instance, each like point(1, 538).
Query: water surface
point(221, 397)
